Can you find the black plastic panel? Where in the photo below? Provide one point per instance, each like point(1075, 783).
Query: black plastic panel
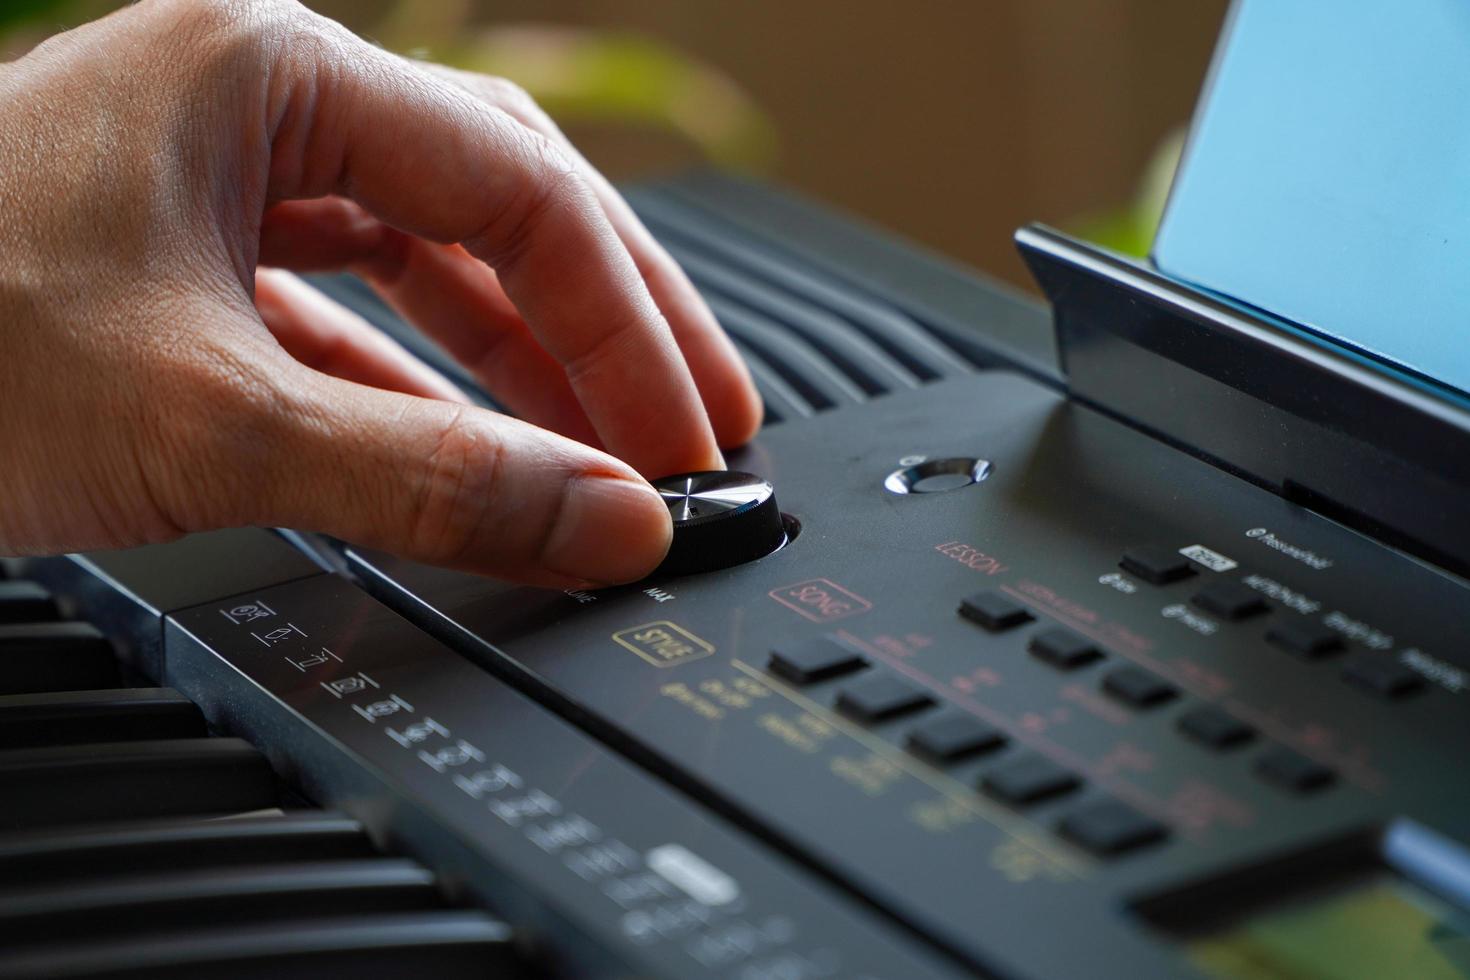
point(608, 866)
point(1312, 421)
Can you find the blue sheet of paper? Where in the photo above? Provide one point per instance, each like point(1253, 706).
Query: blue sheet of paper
point(1327, 177)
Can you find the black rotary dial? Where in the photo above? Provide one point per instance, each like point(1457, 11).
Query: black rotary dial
point(721, 518)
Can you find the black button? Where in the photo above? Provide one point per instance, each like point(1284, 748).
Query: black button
point(1385, 678)
point(1305, 638)
point(1230, 600)
point(1155, 565)
point(1138, 687)
point(881, 696)
point(1294, 772)
point(1063, 648)
point(26, 602)
point(1108, 827)
point(1214, 728)
point(1029, 779)
point(814, 660)
point(954, 735)
point(994, 610)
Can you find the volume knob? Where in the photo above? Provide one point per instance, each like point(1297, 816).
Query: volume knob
point(721, 518)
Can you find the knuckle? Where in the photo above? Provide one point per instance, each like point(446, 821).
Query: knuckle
point(514, 99)
point(216, 19)
point(216, 38)
point(546, 182)
point(455, 499)
point(229, 36)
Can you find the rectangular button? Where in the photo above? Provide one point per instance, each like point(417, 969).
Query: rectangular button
point(880, 696)
point(994, 610)
point(26, 602)
point(1305, 638)
point(1292, 771)
point(816, 659)
point(1139, 688)
point(1384, 678)
point(1155, 565)
point(1110, 828)
point(1230, 600)
point(1214, 728)
point(1029, 779)
point(1063, 648)
point(954, 735)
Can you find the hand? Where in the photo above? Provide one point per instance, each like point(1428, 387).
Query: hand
point(152, 385)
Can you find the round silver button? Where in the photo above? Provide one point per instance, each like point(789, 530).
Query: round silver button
point(938, 475)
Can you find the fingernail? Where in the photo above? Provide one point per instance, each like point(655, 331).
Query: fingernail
point(610, 531)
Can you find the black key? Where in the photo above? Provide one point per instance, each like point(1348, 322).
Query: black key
point(1155, 565)
point(1063, 648)
point(881, 696)
point(1214, 728)
point(1108, 828)
point(1029, 779)
point(131, 847)
point(209, 897)
point(116, 715)
point(814, 660)
point(1230, 600)
point(1383, 678)
point(1138, 687)
point(994, 610)
point(1305, 638)
point(37, 657)
point(26, 602)
point(126, 780)
point(954, 735)
point(447, 945)
point(1294, 772)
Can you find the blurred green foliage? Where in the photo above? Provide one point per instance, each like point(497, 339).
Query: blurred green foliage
point(19, 11)
point(578, 76)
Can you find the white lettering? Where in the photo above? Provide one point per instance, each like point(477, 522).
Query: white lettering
point(1309, 558)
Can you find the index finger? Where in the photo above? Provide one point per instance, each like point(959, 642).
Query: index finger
point(426, 157)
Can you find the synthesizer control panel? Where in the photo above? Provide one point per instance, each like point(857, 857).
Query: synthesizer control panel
point(1104, 692)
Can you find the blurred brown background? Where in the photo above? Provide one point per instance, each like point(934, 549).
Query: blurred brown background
point(950, 122)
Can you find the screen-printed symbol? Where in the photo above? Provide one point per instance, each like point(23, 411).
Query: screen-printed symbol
point(820, 600)
point(279, 635)
point(313, 660)
point(663, 644)
point(247, 612)
point(391, 705)
point(349, 685)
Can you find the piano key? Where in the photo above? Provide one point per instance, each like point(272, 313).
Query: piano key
point(115, 715)
point(131, 847)
point(211, 897)
point(36, 657)
point(87, 783)
point(26, 602)
point(446, 945)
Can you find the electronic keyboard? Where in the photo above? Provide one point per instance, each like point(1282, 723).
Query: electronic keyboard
point(1106, 638)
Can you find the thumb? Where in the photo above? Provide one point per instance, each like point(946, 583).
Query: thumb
point(444, 483)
